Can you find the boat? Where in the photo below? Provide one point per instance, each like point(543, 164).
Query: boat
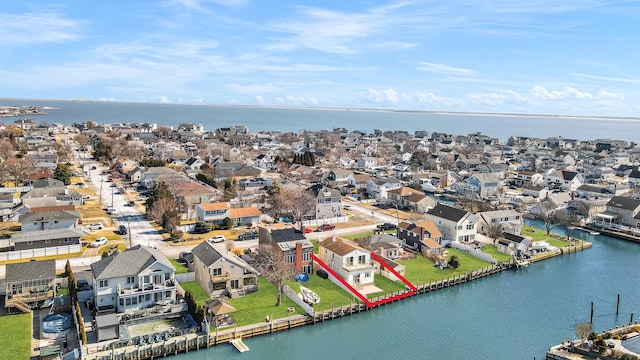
point(308, 296)
point(594, 233)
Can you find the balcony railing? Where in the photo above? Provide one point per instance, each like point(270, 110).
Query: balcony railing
point(123, 290)
point(360, 266)
point(220, 278)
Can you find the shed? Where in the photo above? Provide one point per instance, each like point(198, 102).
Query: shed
point(107, 327)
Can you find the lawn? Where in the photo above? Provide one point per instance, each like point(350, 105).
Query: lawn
point(331, 295)
point(15, 337)
point(541, 235)
point(494, 253)
point(196, 290)
point(180, 268)
point(254, 307)
point(421, 270)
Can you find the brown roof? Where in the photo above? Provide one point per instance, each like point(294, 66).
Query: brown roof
point(244, 212)
point(431, 244)
point(340, 246)
point(215, 206)
point(431, 227)
point(405, 191)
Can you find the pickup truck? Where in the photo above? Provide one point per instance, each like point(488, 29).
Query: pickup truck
point(386, 226)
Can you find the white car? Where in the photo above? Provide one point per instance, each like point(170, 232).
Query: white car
point(95, 226)
point(98, 242)
point(217, 239)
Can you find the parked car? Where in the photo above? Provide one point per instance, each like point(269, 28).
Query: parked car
point(326, 227)
point(308, 230)
point(323, 274)
point(248, 235)
point(217, 239)
point(347, 207)
point(122, 230)
point(386, 226)
point(95, 226)
point(98, 242)
point(83, 285)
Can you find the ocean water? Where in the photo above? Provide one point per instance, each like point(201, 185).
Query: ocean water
point(296, 119)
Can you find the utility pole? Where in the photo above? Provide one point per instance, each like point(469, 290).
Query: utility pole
point(129, 229)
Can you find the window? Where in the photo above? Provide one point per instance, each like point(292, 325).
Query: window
point(217, 271)
point(145, 279)
point(470, 227)
point(306, 256)
point(147, 297)
point(290, 258)
point(47, 241)
point(131, 279)
point(121, 302)
point(362, 259)
point(103, 283)
point(367, 274)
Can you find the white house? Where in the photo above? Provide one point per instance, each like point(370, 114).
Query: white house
point(454, 224)
point(348, 260)
point(133, 279)
point(49, 220)
point(378, 187)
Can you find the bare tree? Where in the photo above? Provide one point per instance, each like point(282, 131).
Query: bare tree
point(296, 202)
point(17, 169)
point(274, 268)
point(569, 220)
point(160, 207)
point(547, 209)
point(494, 231)
point(583, 330)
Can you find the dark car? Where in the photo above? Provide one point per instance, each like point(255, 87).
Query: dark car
point(323, 274)
point(83, 285)
point(326, 227)
point(248, 235)
point(122, 230)
point(386, 226)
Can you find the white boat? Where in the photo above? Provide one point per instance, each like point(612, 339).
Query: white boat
point(308, 296)
point(594, 233)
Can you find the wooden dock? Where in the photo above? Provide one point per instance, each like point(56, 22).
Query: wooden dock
point(239, 345)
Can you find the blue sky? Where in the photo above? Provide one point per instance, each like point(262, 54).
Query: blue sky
point(576, 57)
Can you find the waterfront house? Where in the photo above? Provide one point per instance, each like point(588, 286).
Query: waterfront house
point(291, 242)
point(563, 180)
point(423, 236)
point(29, 282)
point(483, 185)
point(510, 220)
point(350, 261)
point(222, 274)
point(513, 244)
point(134, 279)
point(386, 245)
point(620, 211)
point(454, 224)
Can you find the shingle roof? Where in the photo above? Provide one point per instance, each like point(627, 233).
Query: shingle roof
point(206, 253)
point(46, 234)
point(50, 216)
point(30, 270)
point(129, 262)
point(447, 212)
point(339, 246)
point(624, 203)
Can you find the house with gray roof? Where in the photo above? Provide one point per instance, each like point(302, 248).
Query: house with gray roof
point(620, 211)
point(133, 279)
point(29, 282)
point(49, 220)
point(222, 274)
point(45, 238)
point(454, 224)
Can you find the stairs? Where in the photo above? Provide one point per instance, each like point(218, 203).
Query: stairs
point(19, 305)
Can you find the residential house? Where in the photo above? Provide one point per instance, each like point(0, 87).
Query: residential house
point(136, 278)
point(386, 245)
point(222, 274)
point(524, 178)
point(328, 202)
point(291, 242)
point(216, 213)
point(483, 185)
point(513, 244)
point(254, 183)
point(377, 188)
point(409, 198)
point(564, 180)
point(49, 220)
point(537, 192)
point(350, 261)
point(30, 282)
point(45, 238)
point(337, 177)
point(51, 196)
point(454, 224)
point(510, 220)
point(620, 211)
point(358, 181)
point(423, 236)
point(367, 163)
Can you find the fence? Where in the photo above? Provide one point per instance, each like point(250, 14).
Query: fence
point(288, 292)
point(186, 277)
point(471, 251)
point(34, 253)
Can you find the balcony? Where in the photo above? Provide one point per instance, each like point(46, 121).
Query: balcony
point(361, 266)
point(147, 288)
point(220, 278)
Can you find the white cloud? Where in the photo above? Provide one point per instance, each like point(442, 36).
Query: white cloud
point(259, 100)
point(567, 92)
point(606, 78)
point(444, 69)
point(38, 28)
point(297, 101)
point(163, 99)
point(604, 94)
point(380, 96)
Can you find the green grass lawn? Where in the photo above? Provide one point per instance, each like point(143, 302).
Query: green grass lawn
point(198, 293)
point(15, 336)
point(494, 253)
point(541, 235)
point(254, 307)
point(331, 295)
point(180, 268)
point(421, 270)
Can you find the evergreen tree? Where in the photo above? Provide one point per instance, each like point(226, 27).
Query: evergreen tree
point(63, 173)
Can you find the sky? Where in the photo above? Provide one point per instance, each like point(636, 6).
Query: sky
point(571, 57)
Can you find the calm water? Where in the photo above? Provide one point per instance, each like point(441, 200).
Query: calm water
point(289, 119)
point(512, 315)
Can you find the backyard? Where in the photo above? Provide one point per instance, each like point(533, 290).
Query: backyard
point(15, 337)
point(558, 240)
point(421, 270)
point(331, 295)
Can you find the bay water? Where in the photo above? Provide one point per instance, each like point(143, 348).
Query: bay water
point(296, 119)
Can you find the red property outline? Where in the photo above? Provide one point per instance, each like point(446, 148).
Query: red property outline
point(362, 297)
